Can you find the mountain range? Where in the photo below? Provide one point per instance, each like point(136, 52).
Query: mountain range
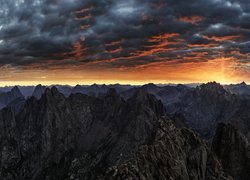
point(125, 132)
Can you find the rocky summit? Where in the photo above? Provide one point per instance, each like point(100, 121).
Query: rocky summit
point(38, 91)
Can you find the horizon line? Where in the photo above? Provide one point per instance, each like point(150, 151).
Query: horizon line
point(113, 83)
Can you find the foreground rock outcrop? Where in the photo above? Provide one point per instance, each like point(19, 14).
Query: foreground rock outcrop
point(174, 154)
point(233, 150)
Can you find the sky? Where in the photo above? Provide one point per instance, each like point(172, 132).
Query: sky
point(127, 42)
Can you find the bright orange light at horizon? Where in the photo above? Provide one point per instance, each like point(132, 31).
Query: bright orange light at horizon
point(220, 70)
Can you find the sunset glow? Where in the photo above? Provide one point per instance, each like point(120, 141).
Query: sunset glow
point(132, 42)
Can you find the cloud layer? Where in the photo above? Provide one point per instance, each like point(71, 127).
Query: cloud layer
point(104, 34)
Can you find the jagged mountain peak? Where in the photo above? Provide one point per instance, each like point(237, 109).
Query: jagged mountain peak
point(78, 89)
point(15, 88)
point(143, 98)
point(94, 85)
point(54, 90)
point(77, 86)
point(51, 91)
point(16, 92)
point(149, 85)
point(212, 87)
point(103, 86)
point(39, 85)
point(8, 97)
point(142, 101)
point(243, 84)
point(38, 91)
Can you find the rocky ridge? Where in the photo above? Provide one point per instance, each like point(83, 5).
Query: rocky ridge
point(233, 150)
point(174, 154)
point(48, 135)
point(81, 136)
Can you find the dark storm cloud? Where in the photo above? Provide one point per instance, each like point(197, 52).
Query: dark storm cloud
point(118, 33)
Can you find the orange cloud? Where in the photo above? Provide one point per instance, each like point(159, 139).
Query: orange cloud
point(84, 10)
point(114, 51)
point(77, 52)
point(158, 44)
point(84, 18)
point(223, 38)
point(191, 19)
point(114, 43)
point(204, 46)
point(163, 37)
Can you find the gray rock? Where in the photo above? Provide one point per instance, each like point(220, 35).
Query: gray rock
point(174, 154)
point(232, 149)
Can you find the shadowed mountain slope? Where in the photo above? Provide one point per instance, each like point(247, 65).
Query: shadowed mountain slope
point(233, 150)
point(43, 139)
point(10, 96)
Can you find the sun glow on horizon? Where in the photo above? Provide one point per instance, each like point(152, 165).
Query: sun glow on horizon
point(110, 82)
point(222, 70)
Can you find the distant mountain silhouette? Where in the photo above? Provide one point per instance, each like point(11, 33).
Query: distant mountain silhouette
point(240, 89)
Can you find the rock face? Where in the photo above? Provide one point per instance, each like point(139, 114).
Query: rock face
point(240, 89)
point(61, 138)
point(206, 106)
point(93, 90)
point(64, 89)
point(233, 150)
point(203, 107)
point(10, 96)
point(169, 95)
point(27, 91)
point(38, 91)
point(241, 117)
point(81, 136)
point(174, 154)
point(79, 89)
